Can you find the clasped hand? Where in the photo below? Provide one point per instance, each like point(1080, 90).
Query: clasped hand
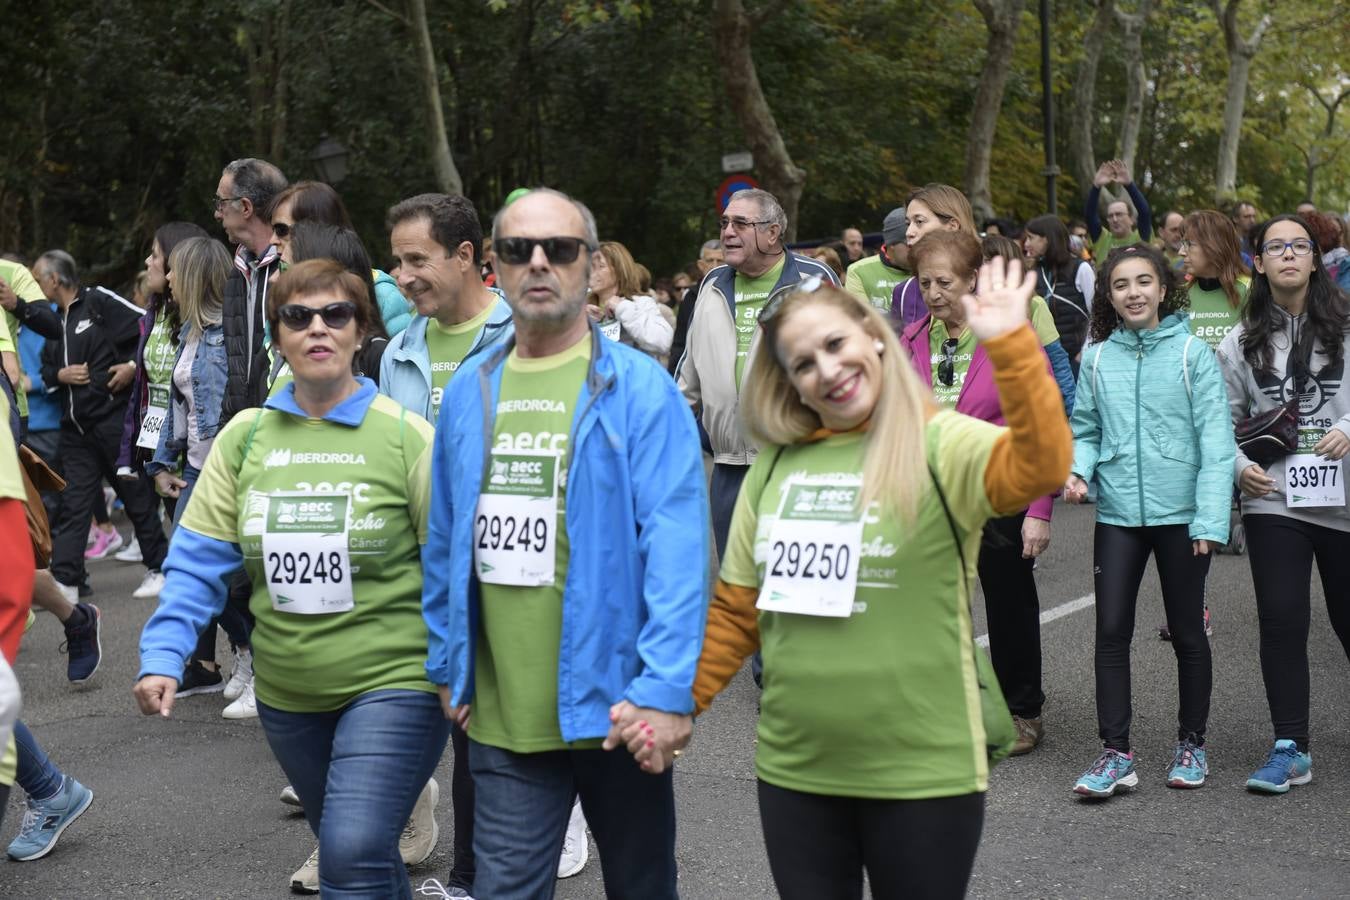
point(652, 736)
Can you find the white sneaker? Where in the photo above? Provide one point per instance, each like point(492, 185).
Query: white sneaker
point(245, 707)
point(290, 797)
point(131, 553)
point(306, 878)
point(421, 831)
point(70, 591)
point(433, 888)
point(151, 585)
point(575, 850)
point(240, 675)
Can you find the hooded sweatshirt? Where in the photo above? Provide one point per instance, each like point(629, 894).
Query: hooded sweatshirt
point(1325, 405)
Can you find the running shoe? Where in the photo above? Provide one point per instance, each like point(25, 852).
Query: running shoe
point(421, 831)
point(245, 705)
point(94, 532)
point(1029, 735)
point(45, 820)
point(1284, 768)
point(575, 849)
point(105, 543)
point(1111, 772)
point(433, 888)
point(305, 880)
point(1190, 765)
point(131, 553)
point(291, 798)
point(241, 674)
point(83, 646)
point(198, 679)
point(151, 585)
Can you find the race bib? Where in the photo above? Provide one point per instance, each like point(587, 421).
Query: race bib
point(153, 420)
point(611, 329)
point(515, 529)
point(304, 550)
point(1310, 480)
point(814, 546)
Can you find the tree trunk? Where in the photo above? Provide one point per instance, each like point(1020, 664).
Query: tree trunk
point(1083, 100)
point(280, 53)
point(1001, 17)
point(778, 174)
point(438, 143)
point(1240, 54)
point(1132, 25)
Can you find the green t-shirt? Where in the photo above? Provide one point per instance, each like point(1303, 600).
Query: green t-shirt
point(872, 280)
point(751, 295)
point(515, 703)
point(883, 703)
point(316, 663)
point(1106, 242)
point(947, 395)
point(447, 345)
point(160, 355)
point(1212, 316)
point(25, 287)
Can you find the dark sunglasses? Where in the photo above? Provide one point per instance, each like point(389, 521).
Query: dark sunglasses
point(947, 365)
point(808, 285)
point(281, 229)
point(297, 316)
point(516, 251)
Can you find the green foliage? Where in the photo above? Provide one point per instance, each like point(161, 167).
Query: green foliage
point(126, 116)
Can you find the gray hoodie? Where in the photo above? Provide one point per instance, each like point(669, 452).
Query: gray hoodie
point(1325, 405)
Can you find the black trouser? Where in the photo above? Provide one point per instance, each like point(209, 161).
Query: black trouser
point(1121, 555)
point(1013, 609)
point(87, 459)
point(462, 863)
point(1281, 551)
point(818, 845)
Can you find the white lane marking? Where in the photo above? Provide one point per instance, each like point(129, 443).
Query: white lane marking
point(1056, 612)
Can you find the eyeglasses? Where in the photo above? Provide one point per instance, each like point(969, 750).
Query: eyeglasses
point(218, 202)
point(740, 224)
point(297, 316)
point(516, 251)
point(808, 285)
point(947, 365)
point(281, 229)
point(1300, 246)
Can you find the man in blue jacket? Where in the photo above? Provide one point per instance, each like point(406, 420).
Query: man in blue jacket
point(438, 242)
point(566, 481)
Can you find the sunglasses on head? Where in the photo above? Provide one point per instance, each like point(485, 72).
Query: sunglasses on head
point(297, 316)
point(947, 365)
point(808, 285)
point(516, 251)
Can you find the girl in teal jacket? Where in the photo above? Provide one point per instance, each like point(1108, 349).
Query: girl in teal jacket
point(1151, 424)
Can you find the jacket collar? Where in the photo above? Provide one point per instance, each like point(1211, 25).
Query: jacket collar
point(349, 412)
point(412, 342)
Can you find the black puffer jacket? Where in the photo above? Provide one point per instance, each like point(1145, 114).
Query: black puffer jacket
point(243, 318)
point(1067, 305)
point(99, 328)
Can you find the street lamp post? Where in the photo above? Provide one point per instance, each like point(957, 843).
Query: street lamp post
point(1048, 113)
point(330, 160)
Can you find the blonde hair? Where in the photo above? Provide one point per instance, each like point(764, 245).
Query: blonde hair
point(200, 267)
point(627, 278)
point(947, 203)
point(895, 458)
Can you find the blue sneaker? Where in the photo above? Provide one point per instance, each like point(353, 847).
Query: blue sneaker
point(1112, 771)
point(83, 646)
point(44, 820)
point(1190, 765)
point(1283, 768)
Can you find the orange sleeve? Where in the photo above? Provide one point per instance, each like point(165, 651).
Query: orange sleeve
point(732, 635)
point(16, 575)
point(1032, 458)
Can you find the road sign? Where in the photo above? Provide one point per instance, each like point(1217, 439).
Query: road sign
point(730, 185)
point(743, 161)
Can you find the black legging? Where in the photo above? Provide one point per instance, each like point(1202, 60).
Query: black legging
point(1120, 555)
point(818, 845)
point(1281, 551)
point(1013, 610)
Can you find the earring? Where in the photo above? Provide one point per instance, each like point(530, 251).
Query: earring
point(881, 348)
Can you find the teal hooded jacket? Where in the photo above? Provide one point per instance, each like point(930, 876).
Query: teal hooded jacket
point(1151, 423)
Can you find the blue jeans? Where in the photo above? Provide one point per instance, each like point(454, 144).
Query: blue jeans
point(364, 765)
point(521, 806)
point(37, 776)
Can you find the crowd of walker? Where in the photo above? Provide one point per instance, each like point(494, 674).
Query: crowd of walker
point(458, 500)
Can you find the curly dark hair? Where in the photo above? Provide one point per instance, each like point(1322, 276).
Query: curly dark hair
point(1327, 308)
point(1105, 319)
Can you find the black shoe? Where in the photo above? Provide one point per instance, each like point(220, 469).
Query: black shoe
point(198, 679)
point(85, 589)
point(82, 643)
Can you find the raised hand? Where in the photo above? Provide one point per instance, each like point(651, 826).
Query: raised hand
point(1001, 301)
point(1105, 174)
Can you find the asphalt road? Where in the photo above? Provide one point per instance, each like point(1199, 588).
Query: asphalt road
point(187, 808)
